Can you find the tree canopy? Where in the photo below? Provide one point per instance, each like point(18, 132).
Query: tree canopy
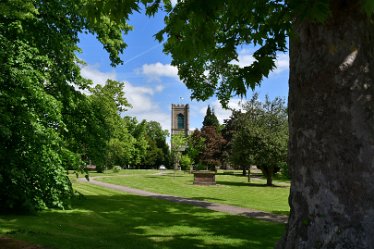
point(210, 118)
point(261, 137)
point(46, 124)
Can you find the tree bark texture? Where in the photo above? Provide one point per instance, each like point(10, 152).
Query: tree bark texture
point(331, 124)
point(269, 176)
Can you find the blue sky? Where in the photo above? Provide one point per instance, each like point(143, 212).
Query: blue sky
point(152, 84)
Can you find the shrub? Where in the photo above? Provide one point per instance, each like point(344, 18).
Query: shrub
point(116, 169)
point(201, 166)
point(185, 162)
point(100, 168)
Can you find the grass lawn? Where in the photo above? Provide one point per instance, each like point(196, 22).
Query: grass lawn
point(230, 189)
point(106, 219)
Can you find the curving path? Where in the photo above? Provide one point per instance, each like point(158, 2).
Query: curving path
point(209, 205)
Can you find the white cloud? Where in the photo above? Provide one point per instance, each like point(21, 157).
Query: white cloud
point(155, 115)
point(159, 88)
point(143, 105)
point(140, 97)
point(93, 73)
point(245, 58)
point(157, 70)
point(283, 62)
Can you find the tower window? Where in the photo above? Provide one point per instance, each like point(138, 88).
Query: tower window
point(180, 118)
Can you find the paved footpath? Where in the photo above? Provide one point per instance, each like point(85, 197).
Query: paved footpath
point(209, 205)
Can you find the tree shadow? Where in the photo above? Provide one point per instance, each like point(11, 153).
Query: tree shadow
point(231, 174)
point(207, 198)
point(287, 213)
point(172, 175)
point(127, 221)
point(232, 183)
point(249, 184)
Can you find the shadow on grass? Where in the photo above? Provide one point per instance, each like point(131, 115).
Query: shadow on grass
point(126, 221)
point(176, 175)
point(287, 213)
point(250, 184)
point(207, 198)
point(231, 174)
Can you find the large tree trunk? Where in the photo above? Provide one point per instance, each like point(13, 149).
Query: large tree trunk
point(331, 149)
point(269, 176)
point(244, 170)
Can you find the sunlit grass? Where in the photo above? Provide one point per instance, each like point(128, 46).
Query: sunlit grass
point(109, 219)
point(230, 189)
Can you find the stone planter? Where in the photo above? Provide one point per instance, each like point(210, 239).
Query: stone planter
point(204, 177)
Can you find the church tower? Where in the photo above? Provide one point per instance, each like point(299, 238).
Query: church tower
point(180, 119)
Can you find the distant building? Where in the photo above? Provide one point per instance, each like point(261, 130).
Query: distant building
point(180, 119)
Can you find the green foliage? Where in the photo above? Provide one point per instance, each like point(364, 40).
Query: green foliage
point(284, 170)
point(195, 146)
point(46, 125)
point(116, 169)
point(230, 127)
point(107, 140)
point(312, 11)
point(185, 162)
point(368, 7)
point(178, 146)
point(29, 123)
point(262, 136)
point(138, 132)
point(158, 149)
point(240, 155)
point(210, 119)
point(212, 150)
point(120, 151)
point(204, 36)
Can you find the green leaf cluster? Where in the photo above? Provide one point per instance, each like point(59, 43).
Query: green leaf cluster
point(210, 118)
point(203, 38)
point(261, 135)
point(46, 124)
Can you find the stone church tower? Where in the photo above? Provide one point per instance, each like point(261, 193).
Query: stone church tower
point(180, 115)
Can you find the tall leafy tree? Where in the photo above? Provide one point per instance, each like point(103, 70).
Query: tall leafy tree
point(234, 150)
point(195, 146)
point(230, 127)
point(158, 150)
point(107, 102)
point(212, 150)
point(31, 172)
point(138, 132)
point(262, 135)
point(39, 76)
point(330, 98)
point(210, 118)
